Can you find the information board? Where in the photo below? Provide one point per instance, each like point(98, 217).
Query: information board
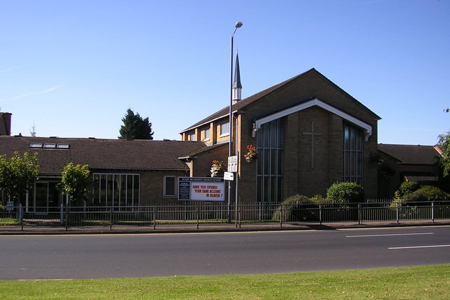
point(232, 163)
point(201, 189)
point(9, 206)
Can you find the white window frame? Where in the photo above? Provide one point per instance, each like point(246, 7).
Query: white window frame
point(207, 134)
point(175, 189)
point(133, 201)
point(222, 128)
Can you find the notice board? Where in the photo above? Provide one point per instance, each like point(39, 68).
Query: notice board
point(201, 189)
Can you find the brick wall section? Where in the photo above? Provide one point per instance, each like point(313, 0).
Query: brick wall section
point(203, 162)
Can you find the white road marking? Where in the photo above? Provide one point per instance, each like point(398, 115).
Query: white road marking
point(418, 247)
point(392, 234)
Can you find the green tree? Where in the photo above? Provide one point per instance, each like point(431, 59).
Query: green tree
point(76, 182)
point(444, 145)
point(134, 127)
point(18, 174)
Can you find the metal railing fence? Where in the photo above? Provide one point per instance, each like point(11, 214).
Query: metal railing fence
point(200, 213)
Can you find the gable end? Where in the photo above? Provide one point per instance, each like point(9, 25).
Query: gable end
point(314, 102)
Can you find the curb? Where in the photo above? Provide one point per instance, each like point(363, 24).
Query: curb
point(205, 228)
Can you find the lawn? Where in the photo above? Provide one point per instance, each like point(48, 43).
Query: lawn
point(424, 282)
point(8, 222)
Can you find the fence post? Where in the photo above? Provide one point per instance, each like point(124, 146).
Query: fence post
point(61, 214)
point(66, 217)
point(281, 215)
point(239, 214)
point(398, 212)
point(154, 216)
point(359, 214)
point(320, 214)
point(110, 217)
point(259, 211)
point(198, 215)
point(21, 215)
point(236, 209)
point(67, 212)
point(432, 211)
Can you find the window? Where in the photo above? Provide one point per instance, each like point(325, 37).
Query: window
point(63, 146)
point(36, 145)
point(49, 146)
point(353, 154)
point(116, 190)
point(192, 137)
point(170, 190)
point(206, 134)
point(270, 162)
point(225, 128)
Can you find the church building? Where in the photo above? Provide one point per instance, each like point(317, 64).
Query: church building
point(308, 134)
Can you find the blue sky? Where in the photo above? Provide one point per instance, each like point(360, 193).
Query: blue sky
point(73, 68)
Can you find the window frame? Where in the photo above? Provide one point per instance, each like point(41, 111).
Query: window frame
point(112, 191)
point(223, 126)
point(207, 134)
point(270, 163)
point(175, 189)
point(352, 154)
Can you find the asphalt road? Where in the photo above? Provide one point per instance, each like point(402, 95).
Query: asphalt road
point(147, 255)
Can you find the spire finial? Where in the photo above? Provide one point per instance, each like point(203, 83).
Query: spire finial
point(237, 86)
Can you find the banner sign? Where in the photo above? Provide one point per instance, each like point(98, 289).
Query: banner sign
point(201, 189)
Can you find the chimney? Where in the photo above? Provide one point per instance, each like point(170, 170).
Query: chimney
point(5, 123)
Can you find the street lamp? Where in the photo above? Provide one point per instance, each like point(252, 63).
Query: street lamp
point(230, 148)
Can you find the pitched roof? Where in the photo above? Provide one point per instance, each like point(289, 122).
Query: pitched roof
point(205, 149)
point(254, 98)
point(102, 153)
point(411, 154)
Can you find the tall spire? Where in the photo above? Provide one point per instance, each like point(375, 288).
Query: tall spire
point(237, 86)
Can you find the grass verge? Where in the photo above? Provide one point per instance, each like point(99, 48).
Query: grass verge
point(8, 221)
point(424, 282)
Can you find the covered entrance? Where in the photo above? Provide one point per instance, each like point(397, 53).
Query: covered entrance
point(44, 198)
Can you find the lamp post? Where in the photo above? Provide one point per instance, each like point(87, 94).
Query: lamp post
point(230, 148)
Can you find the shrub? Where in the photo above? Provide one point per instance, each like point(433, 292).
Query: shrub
point(427, 193)
point(294, 209)
point(346, 192)
point(319, 199)
point(406, 188)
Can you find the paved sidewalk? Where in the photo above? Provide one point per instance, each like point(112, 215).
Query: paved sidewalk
point(223, 227)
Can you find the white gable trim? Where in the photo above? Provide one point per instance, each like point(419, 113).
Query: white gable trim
point(315, 102)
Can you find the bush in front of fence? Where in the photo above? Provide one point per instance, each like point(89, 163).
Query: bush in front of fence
point(426, 193)
point(405, 188)
point(346, 192)
point(296, 208)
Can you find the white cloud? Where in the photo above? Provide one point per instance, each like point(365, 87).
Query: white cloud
point(33, 94)
point(6, 70)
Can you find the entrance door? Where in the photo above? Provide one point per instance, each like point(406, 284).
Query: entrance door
point(46, 197)
point(41, 197)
